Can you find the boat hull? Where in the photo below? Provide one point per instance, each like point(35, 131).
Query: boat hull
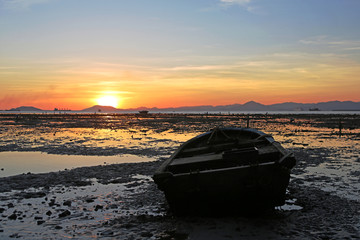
point(240, 189)
point(247, 176)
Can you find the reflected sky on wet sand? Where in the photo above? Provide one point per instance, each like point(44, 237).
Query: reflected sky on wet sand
point(14, 163)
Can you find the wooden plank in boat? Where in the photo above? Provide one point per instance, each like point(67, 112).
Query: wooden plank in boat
point(267, 149)
point(197, 159)
point(236, 144)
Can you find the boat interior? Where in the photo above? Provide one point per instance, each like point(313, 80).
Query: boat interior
point(224, 148)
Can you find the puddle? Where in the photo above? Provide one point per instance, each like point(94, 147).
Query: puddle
point(290, 205)
point(13, 163)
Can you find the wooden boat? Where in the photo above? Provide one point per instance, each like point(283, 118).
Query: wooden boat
point(226, 170)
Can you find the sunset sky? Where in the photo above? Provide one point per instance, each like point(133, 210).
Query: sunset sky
point(169, 53)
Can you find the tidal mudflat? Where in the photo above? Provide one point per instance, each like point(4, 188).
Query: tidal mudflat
point(120, 201)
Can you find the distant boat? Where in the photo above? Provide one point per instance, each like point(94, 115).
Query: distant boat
point(314, 109)
point(143, 112)
point(226, 170)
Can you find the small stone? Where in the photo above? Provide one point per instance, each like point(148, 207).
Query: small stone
point(67, 203)
point(58, 227)
point(38, 218)
point(89, 200)
point(48, 213)
point(10, 205)
point(97, 207)
point(40, 222)
point(52, 202)
point(107, 233)
point(12, 216)
point(64, 214)
point(15, 235)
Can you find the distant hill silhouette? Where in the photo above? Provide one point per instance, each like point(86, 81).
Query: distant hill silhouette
point(99, 108)
point(254, 106)
point(26, 109)
point(249, 106)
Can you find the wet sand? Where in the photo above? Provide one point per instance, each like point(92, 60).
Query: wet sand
point(120, 201)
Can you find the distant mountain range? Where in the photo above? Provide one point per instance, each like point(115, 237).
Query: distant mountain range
point(249, 106)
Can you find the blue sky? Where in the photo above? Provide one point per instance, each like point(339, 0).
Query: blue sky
point(225, 51)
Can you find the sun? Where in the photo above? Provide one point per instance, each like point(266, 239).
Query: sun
point(108, 101)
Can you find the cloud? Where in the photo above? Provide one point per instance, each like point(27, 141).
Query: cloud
point(325, 40)
point(231, 2)
point(328, 42)
point(21, 4)
point(242, 3)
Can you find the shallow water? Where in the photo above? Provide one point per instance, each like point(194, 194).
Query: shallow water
point(13, 163)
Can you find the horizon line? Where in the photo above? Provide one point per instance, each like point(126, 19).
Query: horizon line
point(142, 107)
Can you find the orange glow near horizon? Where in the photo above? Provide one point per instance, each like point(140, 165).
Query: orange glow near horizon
point(131, 86)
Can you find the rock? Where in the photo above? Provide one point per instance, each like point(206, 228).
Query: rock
point(28, 195)
point(67, 203)
point(58, 227)
point(40, 222)
point(98, 207)
point(12, 216)
point(15, 235)
point(107, 233)
point(52, 202)
point(10, 205)
point(64, 214)
point(48, 213)
point(89, 200)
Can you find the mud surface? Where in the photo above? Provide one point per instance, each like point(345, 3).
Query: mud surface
point(120, 201)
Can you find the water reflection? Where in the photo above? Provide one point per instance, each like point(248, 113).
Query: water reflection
point(13, 163)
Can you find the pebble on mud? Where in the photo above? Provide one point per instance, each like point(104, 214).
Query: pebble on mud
point(98, 207)
point(40, 222)
point(64, 214)
point(67, 203)
point(12, 216)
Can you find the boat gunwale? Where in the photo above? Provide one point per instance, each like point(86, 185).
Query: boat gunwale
point(269, 138)
point(224, 169)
